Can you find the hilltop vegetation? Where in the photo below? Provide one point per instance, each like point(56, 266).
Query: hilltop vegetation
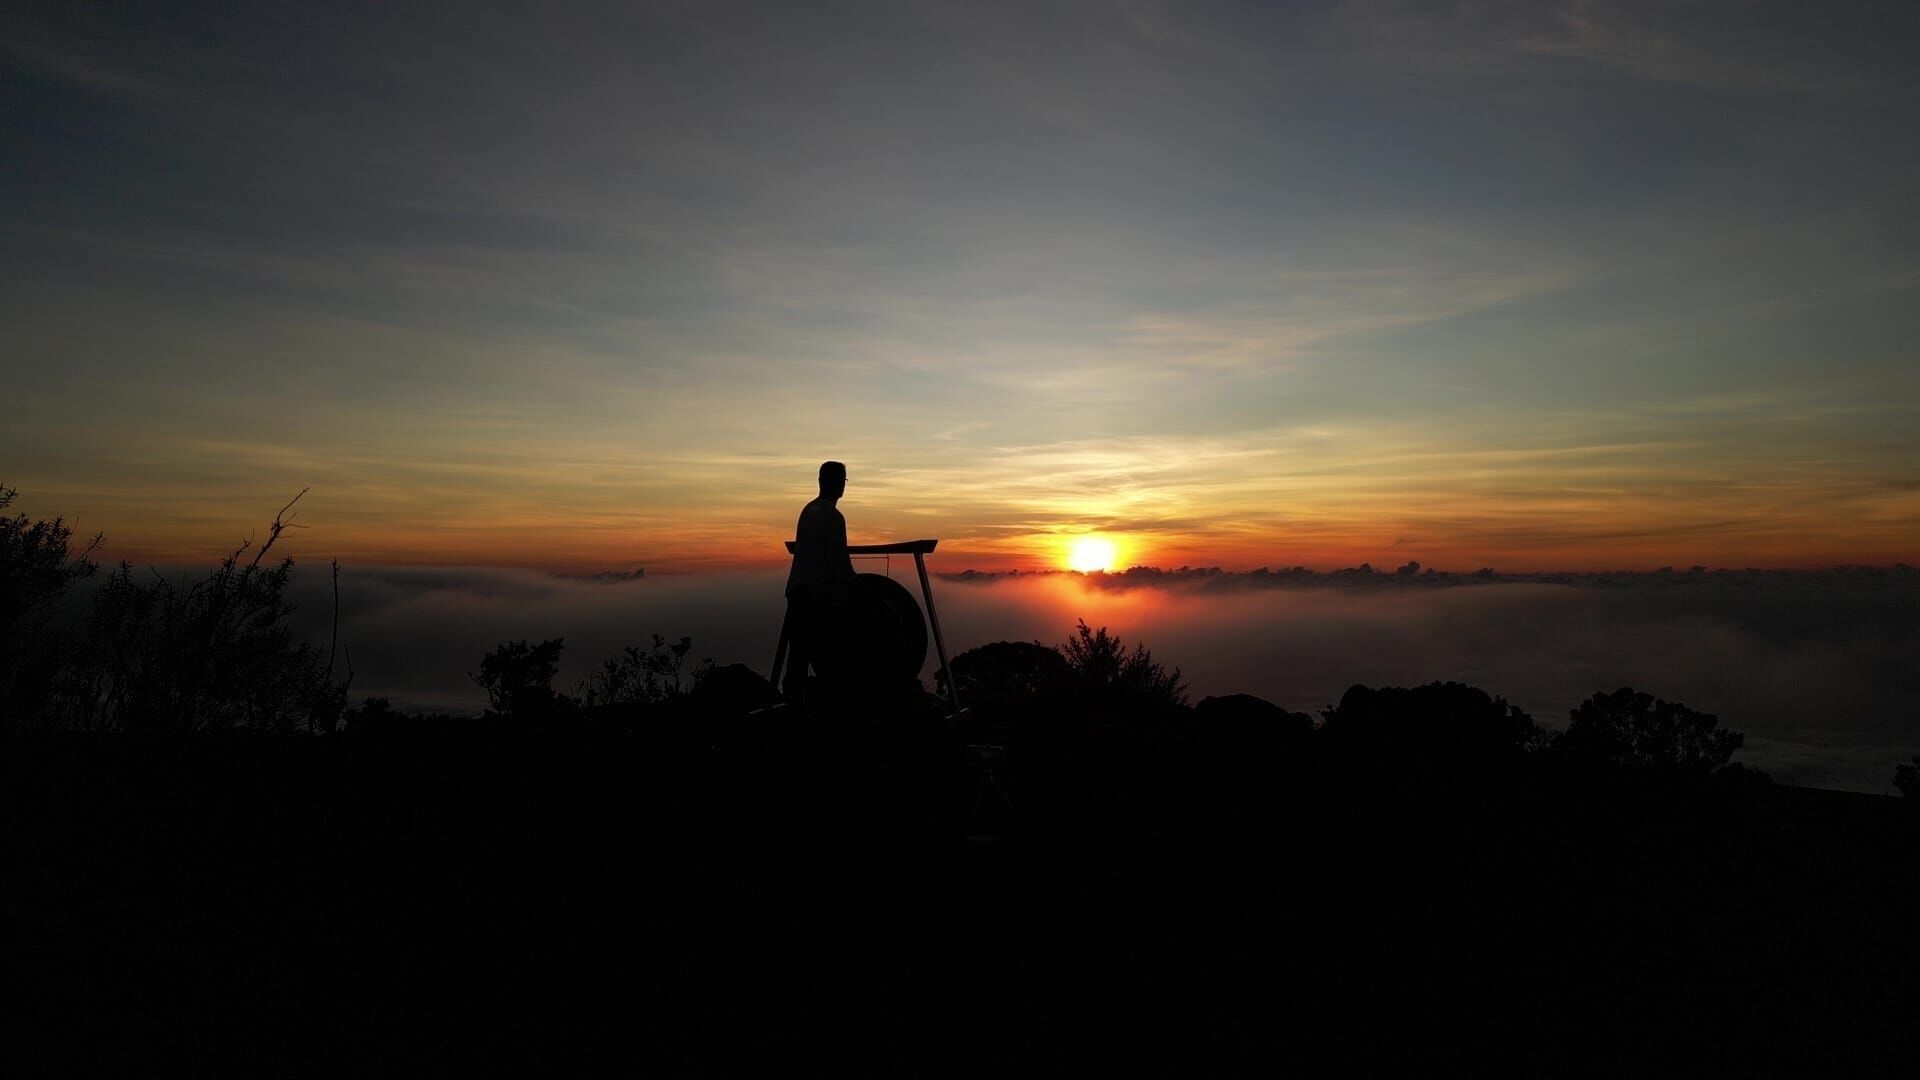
point(159, 656)
point(662, 867)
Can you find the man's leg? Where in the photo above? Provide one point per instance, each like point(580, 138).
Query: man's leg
point(800, 638)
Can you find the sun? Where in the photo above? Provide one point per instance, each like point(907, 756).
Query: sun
point(1090, 553)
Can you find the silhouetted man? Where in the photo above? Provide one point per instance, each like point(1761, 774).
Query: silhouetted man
point(817, 586)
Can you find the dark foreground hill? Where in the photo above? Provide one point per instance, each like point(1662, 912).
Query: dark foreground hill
point(596, 902)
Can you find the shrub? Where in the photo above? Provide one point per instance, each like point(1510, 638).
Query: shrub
point(1448, 726)
point(212, 655)
point(1008, 675)
point(37, 568)
point(1111, 675)
point(1629, 729)
point(518, 679)
point(652, 677)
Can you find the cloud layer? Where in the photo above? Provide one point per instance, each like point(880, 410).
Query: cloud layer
point(1822, 671)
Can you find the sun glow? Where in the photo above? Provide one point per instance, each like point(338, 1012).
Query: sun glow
point(1090, 553)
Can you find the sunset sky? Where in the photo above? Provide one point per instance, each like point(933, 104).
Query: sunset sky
point(1529, 285)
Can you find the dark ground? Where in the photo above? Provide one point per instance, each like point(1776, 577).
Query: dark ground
point(325, 905)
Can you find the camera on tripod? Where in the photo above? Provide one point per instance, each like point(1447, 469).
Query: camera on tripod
point(986, 754)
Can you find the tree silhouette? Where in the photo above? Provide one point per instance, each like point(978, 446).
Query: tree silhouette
point(37, 567)
point(518, 679)
point(216, 654)
point(1110, 674)
point(1008, 674)
point(1244, 732)
point(1907, 779)
point(36, 563)
point(1445, 726)
point(1629, 729)
point(651, 677)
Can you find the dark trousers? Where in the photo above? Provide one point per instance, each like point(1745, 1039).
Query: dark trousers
point(806, 618)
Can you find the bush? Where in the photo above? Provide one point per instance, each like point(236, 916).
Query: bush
point(518, 679)
point(1111, 676)
point(213, 655)
point(1249, 732)
point(1632, 730)
point(1446, 726)
point(37, 567)
point(1008, 675)
point(653, 677)
point(1741, 778)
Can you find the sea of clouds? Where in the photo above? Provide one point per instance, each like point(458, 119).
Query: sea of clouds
point(1821, 670)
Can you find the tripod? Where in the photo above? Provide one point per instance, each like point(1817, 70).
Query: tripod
point(985, 759)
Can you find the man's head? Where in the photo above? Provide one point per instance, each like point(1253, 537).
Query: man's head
point(833, 479)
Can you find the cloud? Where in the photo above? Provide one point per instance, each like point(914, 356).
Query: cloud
point(72, 59)
point(1655, 42)
point(1820, 669)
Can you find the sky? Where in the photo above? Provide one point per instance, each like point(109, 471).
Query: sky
point(597, 286)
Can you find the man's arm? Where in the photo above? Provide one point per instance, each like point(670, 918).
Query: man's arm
point(839, 563)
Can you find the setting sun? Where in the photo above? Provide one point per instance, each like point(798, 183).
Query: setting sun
point(1091, 553)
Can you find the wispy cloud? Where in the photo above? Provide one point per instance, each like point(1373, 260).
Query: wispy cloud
point(70, 58)
point(1704, 46)
point(1499, 283)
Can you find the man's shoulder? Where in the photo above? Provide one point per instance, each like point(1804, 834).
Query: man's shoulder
point(817, 514)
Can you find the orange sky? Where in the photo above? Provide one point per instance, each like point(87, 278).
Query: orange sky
point(1677, 489)
point(1258, 285)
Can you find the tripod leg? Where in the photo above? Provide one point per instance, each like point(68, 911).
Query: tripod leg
point(939, 642)
point(780, 650)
